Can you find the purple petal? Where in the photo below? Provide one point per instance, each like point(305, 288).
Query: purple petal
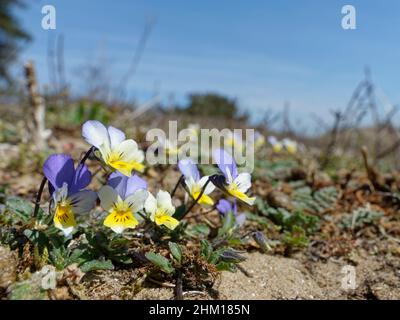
point(59, 168)
point(240, 219)
point(234, 207)
point(81, 179)
point(135, 183)
point(225, 161)
point(118, 182)
point(224, 206)
point(189, 169)
point(125, 186)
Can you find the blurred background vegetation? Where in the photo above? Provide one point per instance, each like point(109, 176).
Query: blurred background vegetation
point(340, 137)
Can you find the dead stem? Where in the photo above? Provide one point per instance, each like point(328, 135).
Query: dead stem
point(178, 286)
point(163, 284)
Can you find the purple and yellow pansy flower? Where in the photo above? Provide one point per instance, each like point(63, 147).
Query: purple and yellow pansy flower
point(233, 184)
point(66, 186)
point(194, 183)
point(122, 197)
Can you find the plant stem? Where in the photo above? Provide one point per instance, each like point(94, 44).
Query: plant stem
point(86, 156)
point(197, 199)
point(39, 196)
point(178, 286)
point(177, 185)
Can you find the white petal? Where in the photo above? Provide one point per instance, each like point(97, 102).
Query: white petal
point(95, 133)
point(272, 140)
point(108, 196)
point(83, 201)
point(130, 151)
point(229, 178)
point(136, 201)
point(139, 156)
point(210, 187)
point(150, 205)
point(66, 231)
point(118, 229)
point(61, 194)
point(190, 183)
point(164, 201)
point(116, 136)
point(243, 181)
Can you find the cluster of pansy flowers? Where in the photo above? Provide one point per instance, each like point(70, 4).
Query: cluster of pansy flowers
point(125, 197)
point(291, 146)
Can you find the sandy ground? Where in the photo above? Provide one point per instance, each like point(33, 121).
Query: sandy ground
point(269, 277)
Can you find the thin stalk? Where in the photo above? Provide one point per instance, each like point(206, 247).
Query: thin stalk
point(198, 198)
point(86, 156)
point(177, 185)
point(39, 196)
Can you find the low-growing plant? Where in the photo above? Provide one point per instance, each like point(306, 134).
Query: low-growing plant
point(136, 226)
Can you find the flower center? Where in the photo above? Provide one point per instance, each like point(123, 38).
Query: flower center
point(122, 209)
point(114, 157)
point(63, 211)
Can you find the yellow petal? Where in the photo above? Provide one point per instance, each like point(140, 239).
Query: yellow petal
point(241, 196)
point(64, 218)
point(166, 220)
point(205, 199)
point(126, 167)
point(277, 147)
point(118, 221)
point(291, 149)
point(118, 161)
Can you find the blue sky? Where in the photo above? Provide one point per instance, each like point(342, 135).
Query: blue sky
point(264, 53)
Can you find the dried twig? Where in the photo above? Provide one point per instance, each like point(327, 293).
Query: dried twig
point(39, 133)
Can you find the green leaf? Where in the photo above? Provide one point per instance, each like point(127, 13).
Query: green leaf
point(215, 256)
point(228, 224)
point(176, 251)
point(198, 230)
point(163, 263)
point(206, 249)
point(225, 266)
point(296, 238)
point(21, 208)
point(96, 265)
point(256, 218)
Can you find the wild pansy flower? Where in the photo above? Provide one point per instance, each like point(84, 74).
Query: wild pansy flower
point(225, 206)
point(66, 186)
point(290, 145)
point(122, 197)
point(255, 141)
point(160, 209)
point(259, 140)
point(234, 184)
point(276, 145)
point(116, 151)
point(194, 183)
